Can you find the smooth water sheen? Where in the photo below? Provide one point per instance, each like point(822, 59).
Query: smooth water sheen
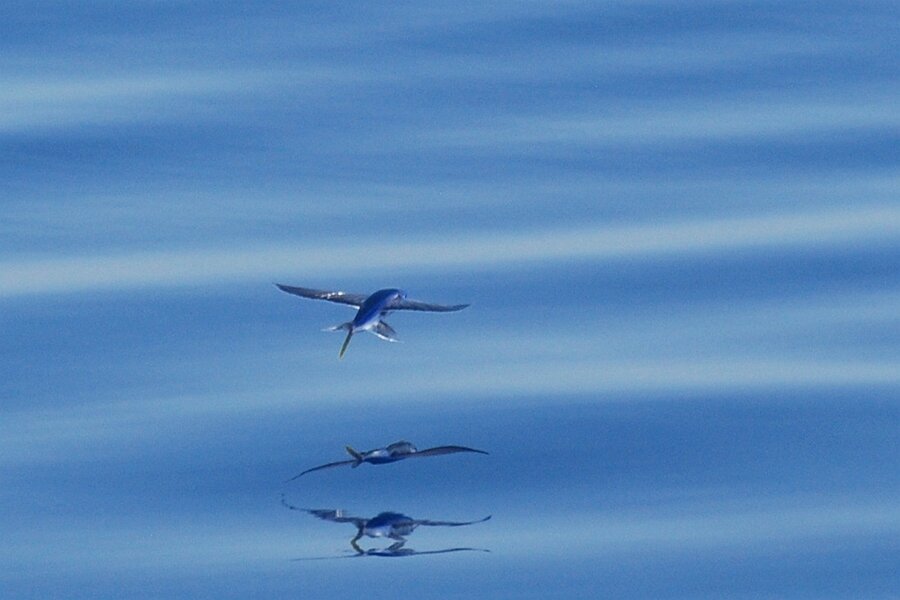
point(677, 223)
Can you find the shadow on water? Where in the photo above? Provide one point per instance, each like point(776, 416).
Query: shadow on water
point(389, 525)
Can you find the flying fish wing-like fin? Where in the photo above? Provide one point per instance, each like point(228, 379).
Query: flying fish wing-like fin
point(428, 523)
point(327, 514)
point(437, 451)
point(339, 297)
point(405, 304)
point(339, 463)
point(336, 516)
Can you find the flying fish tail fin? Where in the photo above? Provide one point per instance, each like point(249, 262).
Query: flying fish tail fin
point(346, 342)
point(357, 456)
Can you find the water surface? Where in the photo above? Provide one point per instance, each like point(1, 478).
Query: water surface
point(677, 225)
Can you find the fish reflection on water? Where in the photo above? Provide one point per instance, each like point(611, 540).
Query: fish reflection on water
point(391, 453)
point(393, 551)
point(390, 525)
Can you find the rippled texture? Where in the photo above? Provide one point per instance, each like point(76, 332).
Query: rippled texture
point(678, 224)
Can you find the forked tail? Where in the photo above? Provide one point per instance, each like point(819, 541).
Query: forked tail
point(357, 456)
point(349, 327)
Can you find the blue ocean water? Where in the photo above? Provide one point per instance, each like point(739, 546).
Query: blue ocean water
point(677, 224)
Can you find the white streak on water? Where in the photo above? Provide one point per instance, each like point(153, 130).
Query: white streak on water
point(725, 121)
point(325, 259)
point(49, 105)
point(715, 529)
point(147, 542)
point(82, 431)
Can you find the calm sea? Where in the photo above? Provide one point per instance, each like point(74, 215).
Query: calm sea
point(677, 223)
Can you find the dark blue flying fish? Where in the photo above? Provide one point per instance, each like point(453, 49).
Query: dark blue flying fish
point(392, 453)
point(371, 309)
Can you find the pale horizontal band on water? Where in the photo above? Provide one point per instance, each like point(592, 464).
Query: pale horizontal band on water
point(754, 525)
point(333, 259)
point(78, 432)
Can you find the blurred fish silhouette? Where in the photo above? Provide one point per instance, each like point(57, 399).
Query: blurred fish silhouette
point(393, 551)
point(392, 453)
point(371, 310)
point(391, 525)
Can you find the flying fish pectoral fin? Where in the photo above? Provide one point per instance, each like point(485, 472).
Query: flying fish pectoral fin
point(406, 304)
point(447, 450)
point(339, 297)
point(385, 332)
point(340, 463)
